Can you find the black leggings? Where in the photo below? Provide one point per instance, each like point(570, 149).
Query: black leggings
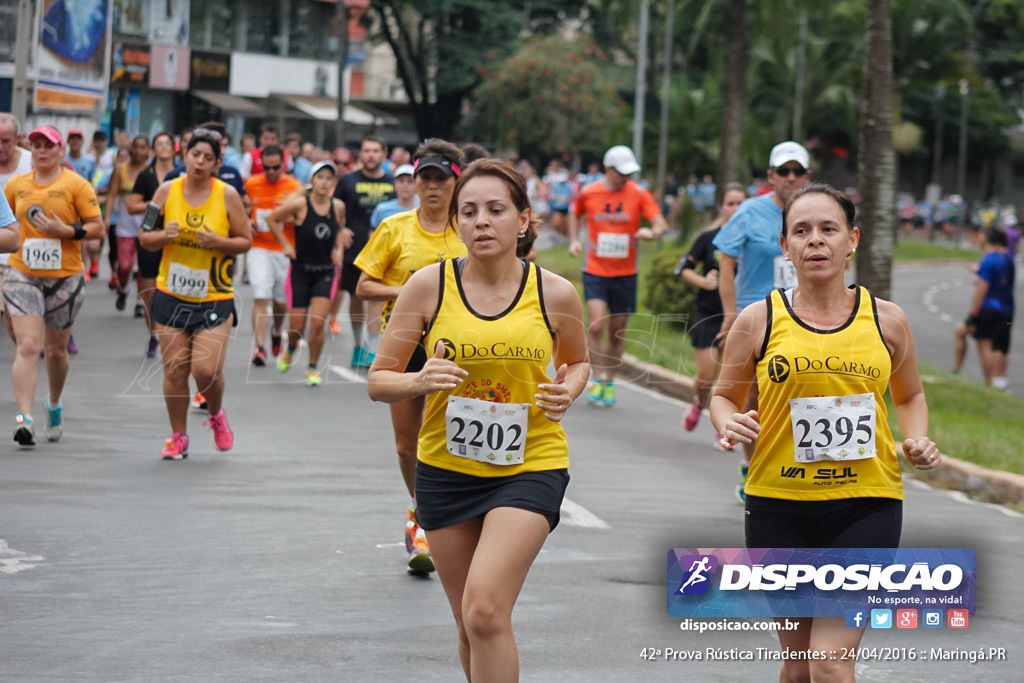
point(845, 523)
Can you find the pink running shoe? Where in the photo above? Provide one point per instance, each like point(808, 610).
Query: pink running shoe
point(222, 434)
point(175, 448)
point(692, 417)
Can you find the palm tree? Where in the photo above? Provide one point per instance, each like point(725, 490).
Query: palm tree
point(876, 162)
point(734, 93)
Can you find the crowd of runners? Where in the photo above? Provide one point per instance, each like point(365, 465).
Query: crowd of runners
point(432, 248)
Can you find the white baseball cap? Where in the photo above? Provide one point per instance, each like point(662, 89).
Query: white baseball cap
point(784, 152)
point(404, 169)
point(622, 159)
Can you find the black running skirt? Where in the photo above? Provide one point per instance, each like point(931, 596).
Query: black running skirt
point(445, 498)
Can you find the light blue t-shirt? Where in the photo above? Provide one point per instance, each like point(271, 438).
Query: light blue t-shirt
point(388, 209)
point(301, 168)
point(752, 237)
point(232, 157)
point(83, 165)
point(6, 215)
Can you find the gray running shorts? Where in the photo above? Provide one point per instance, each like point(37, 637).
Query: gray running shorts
point(56, 299)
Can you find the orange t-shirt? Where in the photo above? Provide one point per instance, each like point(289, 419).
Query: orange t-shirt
point(72, 199)
point(612, 221)
point(265, 197)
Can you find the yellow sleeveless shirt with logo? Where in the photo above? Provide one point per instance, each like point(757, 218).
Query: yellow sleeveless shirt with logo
point(506, 356)
point(817, 390)
point(187, 270)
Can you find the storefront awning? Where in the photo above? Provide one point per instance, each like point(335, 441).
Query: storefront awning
point(229, 104)
point(326, 109)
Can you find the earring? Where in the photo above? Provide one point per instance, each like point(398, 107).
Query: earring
point(521, 234)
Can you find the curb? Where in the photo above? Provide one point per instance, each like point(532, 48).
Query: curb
point(989, 485)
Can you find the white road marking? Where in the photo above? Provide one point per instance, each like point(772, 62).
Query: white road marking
point(575, 514)
point(347, 374)
point(13, 561)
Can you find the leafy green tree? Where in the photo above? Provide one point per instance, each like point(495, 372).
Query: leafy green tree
point(552, 98)
point(439, 45)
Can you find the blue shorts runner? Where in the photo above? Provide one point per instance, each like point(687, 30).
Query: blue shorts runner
point(619, 292)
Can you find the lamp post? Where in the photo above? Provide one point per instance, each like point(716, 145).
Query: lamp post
point(342, 20)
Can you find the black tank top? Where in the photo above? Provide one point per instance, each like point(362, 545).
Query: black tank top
point(315, 238)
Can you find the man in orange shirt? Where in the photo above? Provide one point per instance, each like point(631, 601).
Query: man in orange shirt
point(268, 266)
point(612, 209)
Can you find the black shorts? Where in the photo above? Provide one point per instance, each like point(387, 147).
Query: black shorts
point(705, 329)
point(844, 523)
point(349, 278)
point(173, 312)
point(994, 325)
point(149, 261)
point(304, 285)
point(444, 498)
point(619, 292)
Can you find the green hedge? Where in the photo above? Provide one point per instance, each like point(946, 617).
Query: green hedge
point(665, 293)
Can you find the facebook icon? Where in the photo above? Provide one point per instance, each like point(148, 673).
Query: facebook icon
point(855, 618)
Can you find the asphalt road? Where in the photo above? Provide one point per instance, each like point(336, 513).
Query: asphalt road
point(282, 560)
point(936, 296)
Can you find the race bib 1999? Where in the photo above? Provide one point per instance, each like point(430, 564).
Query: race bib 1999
point(188, 282)
point(486, 431)
point(833, 427)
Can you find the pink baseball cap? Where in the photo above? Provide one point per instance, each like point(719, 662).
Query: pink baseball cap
point(48, 132)
point(76, 131)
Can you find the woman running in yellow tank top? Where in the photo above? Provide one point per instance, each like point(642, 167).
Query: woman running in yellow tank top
point(204, 228)
point(824, 472)
point(493, 458)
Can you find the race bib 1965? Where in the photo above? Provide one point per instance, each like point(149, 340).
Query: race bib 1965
point(612, 245)
point(485, 431)
point(833, 427)
point(785, 273)
point(188, 282)
point(41, 254)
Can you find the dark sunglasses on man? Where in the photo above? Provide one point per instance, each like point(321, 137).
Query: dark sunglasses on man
point(798, 171)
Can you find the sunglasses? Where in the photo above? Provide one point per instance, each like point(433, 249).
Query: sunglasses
point(784, 172)
point(207, 133)
point(271, 168)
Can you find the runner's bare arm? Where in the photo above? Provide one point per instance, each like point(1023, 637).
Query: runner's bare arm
point(738, 375)
point(571, 359)
point(288, 212)
point(339, 244)
point(155, 240)
point(386, 380)
point(906, 388)
point(10, 238)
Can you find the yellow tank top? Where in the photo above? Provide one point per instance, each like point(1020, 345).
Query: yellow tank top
point(399, 247)
point(506, 356)
point(188, 271)
point(817, 393)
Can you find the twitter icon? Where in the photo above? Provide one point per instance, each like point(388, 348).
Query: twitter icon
point(881, 618)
